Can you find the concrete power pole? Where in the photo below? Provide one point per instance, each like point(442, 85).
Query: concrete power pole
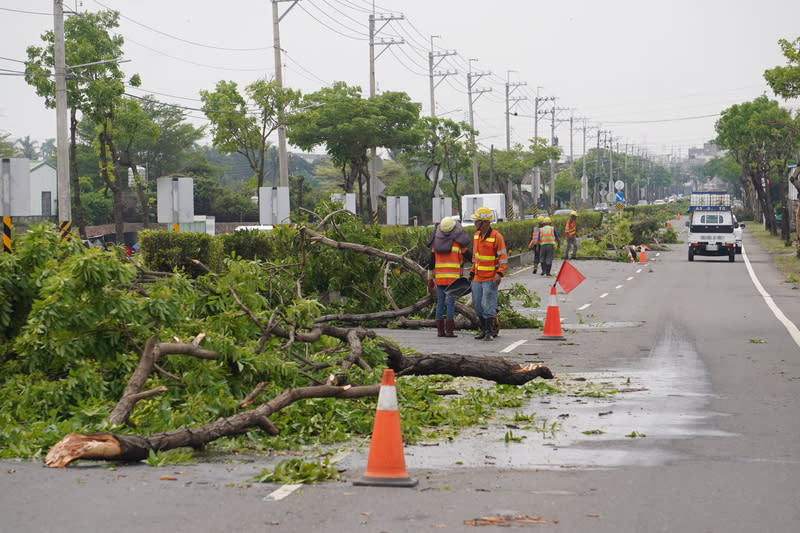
point(62, 137)
point(432, 64)
point(471, 80)
point(536, 187)
point(510, 103)
point(553, 161)
point(283, 159)
point(372, 186)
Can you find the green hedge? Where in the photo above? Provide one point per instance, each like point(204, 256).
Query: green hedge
point(166, 251)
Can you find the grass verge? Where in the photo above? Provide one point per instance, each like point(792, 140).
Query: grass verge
point(784, 257)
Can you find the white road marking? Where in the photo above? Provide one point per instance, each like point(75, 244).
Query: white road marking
point(630, 278)
point(618, 287)
point(584, 306)
point(788, 324)
point(282, 492)
point(603, 295)
point(511, 346)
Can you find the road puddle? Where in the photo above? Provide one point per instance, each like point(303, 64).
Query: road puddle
point(664, 397)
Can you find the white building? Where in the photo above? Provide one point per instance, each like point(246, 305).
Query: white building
point(43, 190)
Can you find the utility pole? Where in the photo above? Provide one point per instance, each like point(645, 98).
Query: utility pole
point(62, 138)
point(431, 73)
point(479, 92)
point(610, 168)
point(537, 186)
point(510, 103)
point(372, 185)
point(571, 172)
point(283, 162)
point(596, 193)
point(553, 161)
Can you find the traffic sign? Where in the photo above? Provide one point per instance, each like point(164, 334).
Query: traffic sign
point(620, 196)
point(619, 185)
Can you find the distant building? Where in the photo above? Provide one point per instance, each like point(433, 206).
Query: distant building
point(43, 190)
point(708, 152)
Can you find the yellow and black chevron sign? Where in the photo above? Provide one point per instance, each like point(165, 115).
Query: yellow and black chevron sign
point(6, 234)
point(65, 229)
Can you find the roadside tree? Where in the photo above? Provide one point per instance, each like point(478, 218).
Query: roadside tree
point(242, 123)
point(348, 125)
point(761, 137)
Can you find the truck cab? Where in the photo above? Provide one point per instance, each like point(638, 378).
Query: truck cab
point(712, 233)
point(712, 228)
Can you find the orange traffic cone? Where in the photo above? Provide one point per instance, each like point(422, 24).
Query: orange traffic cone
point(668, 224)
point(552, 322)
point(386, 465)
point(679, 216)
point(643, 256)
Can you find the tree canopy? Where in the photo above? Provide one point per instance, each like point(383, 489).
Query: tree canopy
point(761, 137)
point(785, 81)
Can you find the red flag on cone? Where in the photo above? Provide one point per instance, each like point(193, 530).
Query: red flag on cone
point(386, 465)
point(569, 277)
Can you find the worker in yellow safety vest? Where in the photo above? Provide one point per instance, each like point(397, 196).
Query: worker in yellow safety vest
point(548, 239)
point(489, 263)
point(449, 247)
point(534, 244)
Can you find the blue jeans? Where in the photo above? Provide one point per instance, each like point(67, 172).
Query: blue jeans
point(440, 303)
point(484, 297)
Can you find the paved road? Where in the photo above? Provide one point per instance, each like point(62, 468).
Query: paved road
point(721, 373)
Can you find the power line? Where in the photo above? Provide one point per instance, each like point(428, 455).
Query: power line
point(25, 12)
point(361, 36)
point(215, 67)
point(193, 43)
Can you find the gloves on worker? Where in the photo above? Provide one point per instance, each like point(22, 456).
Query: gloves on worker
point(431, 285)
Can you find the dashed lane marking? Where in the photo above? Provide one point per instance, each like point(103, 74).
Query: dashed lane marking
point(584, 306)
point(511, 346)
point(282, 492)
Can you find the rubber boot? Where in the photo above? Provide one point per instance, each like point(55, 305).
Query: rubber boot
point(482, 326)
point(534, 269)
point(449, 326)
point(440, 327)
point(488, 329)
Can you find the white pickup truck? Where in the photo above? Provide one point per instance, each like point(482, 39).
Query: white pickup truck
point(712, 228)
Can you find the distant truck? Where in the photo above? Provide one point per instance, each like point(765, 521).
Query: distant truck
point(712, 227)
point(494, 201)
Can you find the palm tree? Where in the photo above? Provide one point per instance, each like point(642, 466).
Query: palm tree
point(29, 147)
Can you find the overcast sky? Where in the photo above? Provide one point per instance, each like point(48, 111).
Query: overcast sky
point(655, 75)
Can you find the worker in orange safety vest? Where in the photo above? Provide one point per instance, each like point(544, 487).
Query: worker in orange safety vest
point(489, 263)
point(571, 235)
point(449, 244)
point(548, 239)
point(534, 244)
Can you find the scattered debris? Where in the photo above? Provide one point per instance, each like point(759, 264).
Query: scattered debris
point(505, 521)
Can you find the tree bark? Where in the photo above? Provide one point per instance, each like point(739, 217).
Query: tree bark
point(795, 180)
point(109, 446)
point(498, 370)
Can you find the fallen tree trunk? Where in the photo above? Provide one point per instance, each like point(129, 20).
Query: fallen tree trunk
point(109, 446)
point(498, 370)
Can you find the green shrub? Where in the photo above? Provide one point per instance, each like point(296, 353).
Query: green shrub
point(168, 251)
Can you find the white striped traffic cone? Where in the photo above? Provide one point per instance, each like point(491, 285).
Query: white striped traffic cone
point(552, 322)
point(386, 465)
